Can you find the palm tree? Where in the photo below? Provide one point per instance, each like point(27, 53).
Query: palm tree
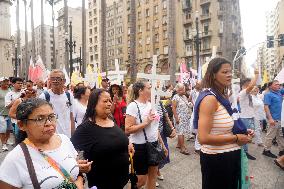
point(84, 42)
point(18, 38)
point(26, 41)
point(33, 30)
point(42, 34)
point(103, 37)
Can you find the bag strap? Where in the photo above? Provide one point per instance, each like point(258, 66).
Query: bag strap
point(30, 165)
point(139, 114)
point(47, 96)
point(69, 98)
point(55, 165)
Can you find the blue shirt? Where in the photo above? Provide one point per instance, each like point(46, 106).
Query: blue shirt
point(274, 101)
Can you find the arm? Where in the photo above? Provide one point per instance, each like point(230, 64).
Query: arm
point(174, 108)
point(72, 123)
point(132, 127)
point(4, 185)
point(13, 109)
point(79, 182)
point(268, 115)
point(207, 108)
point(253, 82)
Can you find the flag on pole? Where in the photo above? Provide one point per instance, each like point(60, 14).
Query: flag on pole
point(39, 70)
point(31, 69)
point(66, 76)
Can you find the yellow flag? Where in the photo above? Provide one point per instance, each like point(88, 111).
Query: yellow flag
point(265, 77)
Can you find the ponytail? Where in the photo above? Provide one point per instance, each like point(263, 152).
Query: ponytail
point(130, 94)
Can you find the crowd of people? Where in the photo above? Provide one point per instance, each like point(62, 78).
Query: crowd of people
point(70, 137)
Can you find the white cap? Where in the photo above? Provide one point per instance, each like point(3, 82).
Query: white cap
point(4, 78)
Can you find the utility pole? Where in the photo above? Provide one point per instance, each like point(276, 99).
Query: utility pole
point(42, 35)
point(132, 51)
point(71, 44)
point(172, 54)
point(103, 37)
point(197, 42)
point(84, 41)
point(17, 49)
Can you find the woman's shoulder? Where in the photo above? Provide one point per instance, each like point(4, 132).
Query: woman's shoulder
point(209, 101)
point(15, 155)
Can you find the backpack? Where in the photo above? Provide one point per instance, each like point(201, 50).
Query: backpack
point(47, 96)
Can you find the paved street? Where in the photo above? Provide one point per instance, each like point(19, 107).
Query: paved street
point(184, 171)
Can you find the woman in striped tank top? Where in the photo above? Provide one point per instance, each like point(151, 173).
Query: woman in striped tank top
point(220, 151)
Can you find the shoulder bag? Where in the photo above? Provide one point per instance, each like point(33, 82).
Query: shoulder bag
point(155, 153)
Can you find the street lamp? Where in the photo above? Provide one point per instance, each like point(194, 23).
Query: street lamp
point(197, 43)
point(71, 44)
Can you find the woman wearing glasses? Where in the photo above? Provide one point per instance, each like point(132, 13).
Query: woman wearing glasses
point(53, 157)
point(27, 94)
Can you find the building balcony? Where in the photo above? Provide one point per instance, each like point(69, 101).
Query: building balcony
point(188, 53)
point(188, 38)
point(187, 21)
point(203, 2)
point(205, 17)
point(186, 6)
point(206, 51)
point(206, 34)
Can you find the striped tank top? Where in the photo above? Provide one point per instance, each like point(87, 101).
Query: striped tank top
point(222, 125)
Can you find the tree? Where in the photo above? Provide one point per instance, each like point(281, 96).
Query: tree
point(132, 51)
point(26, 41)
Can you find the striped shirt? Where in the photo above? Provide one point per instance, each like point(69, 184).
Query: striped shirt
point(222, 125)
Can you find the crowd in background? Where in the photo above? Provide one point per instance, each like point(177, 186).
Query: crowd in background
point(88, 134)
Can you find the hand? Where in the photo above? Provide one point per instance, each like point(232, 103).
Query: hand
point(84, 166)
point(131, 149)
point(243, 139)
point(174, 133)
point(150, 117)
point(165, 151)
point(177, 120)
point(271, 122)
point(251, 132)
point(115, 98)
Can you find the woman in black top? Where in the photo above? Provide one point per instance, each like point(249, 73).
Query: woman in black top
point(103, 143)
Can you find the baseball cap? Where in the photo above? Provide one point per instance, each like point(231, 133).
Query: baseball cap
point(4, 79)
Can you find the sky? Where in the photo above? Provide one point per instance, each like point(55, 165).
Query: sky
point(252, 18)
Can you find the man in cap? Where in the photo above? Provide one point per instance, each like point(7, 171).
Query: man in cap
point(105, 83)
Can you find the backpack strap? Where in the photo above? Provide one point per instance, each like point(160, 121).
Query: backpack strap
point(47, 96)
point(68, 96)
point(30, 166)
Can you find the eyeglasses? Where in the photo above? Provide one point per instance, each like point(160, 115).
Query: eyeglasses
point(56, 79)
point(41, 121)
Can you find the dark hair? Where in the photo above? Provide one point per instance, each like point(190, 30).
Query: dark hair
point(139, 85)
point(27, 107)
point(92, 103)
point(244, 81)
point(15, 79)
point(29, 81)
point(79, 91)
point(269, 84)
point(120, 91)
point(213, 67)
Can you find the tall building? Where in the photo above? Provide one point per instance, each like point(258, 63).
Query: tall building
point(7, 55)
point(279, 29)
point(155, 27)
point(219, 25)
point(74, 16)
point(47, 44)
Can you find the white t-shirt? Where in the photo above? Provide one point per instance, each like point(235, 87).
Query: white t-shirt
point(14, 171)
point(246, 110)
point(62, 109)
point(12, 96)
point(79, 112)
point(151, 130)
point(258, 107)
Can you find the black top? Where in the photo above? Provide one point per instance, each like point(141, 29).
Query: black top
point(108, 149)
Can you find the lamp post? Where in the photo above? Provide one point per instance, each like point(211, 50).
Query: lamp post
point(71, 44)
point(16, 61)
point(197, 38)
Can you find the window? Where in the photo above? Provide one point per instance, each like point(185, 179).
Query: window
point(139, 15)
point(91, 49)
point(156, 24)
point(91, 31)
point(147, 25)
point(147, 12)
point(206, 27)
point(206, 43)
point(164, 19)
point(90, 22)
point(95, 20)
point(165, 34)
point(148, 39)
point(166, 49)
point(156, 9)
point(164, 4)
point(96, 30)
point(156, 38)
point(90, 14)
point(91, 40)
point(95, 11)
point(157, 51)
point(139, 28)
point(205, 10)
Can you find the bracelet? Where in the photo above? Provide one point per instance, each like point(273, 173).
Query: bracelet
point(237, 138)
